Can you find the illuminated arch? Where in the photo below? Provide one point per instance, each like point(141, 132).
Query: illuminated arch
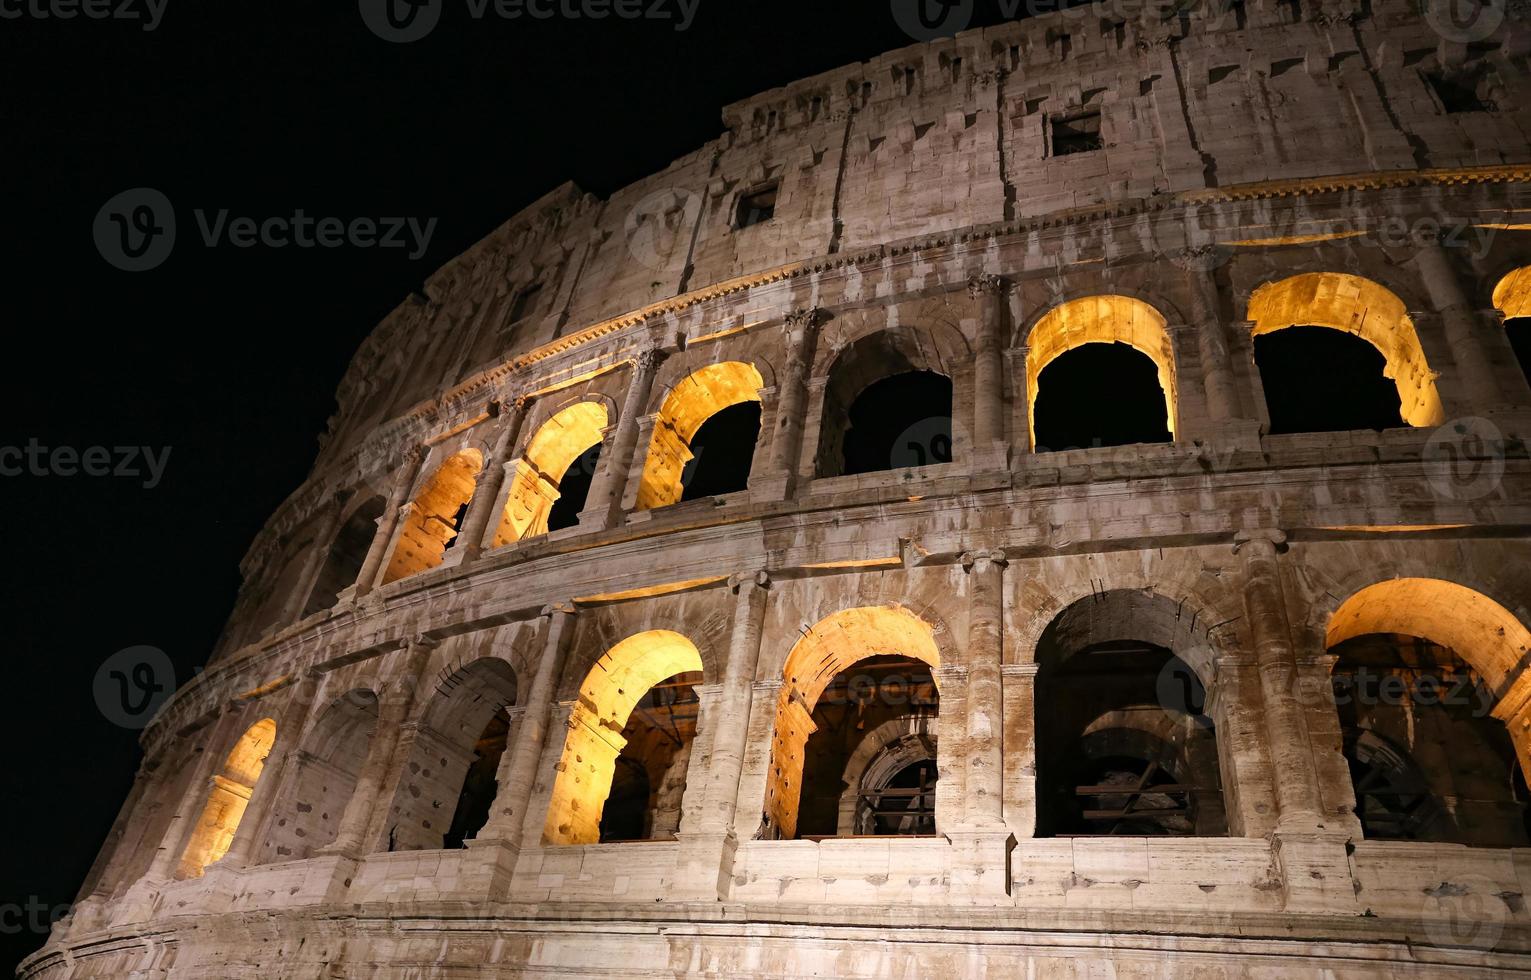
point(432, 519)
point(834, 644)
point(1482, 632)
point(616, 683)
point(1512, 296)
point(535, 477)
point(227, 798)
point(1107, 319)
point(697, 398)
point(1361, 307)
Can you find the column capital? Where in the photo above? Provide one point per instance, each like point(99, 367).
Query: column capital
point(648, 359)
point(986, 284)
point(804, 319)
point(739, 580)
point(983, 560)
point(1262, 539)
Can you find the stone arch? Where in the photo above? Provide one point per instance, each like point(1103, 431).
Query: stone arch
point(882, 753)
point(830, 646)
point(1361, 307)
point(534, 478)
point(1512, 293)
point(696, 398)
point(866, 353)
point(607, 697)
point(227, 797)
point(324, 774)
point(1102, 319)
point(431, 524)
point(447, 748)
point(346, 552)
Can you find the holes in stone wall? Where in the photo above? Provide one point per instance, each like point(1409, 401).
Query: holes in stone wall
point(1099, 395)
point(1076, 133)
point(1462, 91)
point(756, 207)
point(1322, 380)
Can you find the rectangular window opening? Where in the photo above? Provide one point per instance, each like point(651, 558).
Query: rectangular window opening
point(757, 207)
point(1076, 134)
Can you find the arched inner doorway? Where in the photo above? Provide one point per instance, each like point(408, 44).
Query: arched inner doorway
point(1316, 382)
point(886, 407)
point(323, 777)
point(1126, 746)
point(435, 516)
point(1421, 667)
point(900, 652)
point(704, 438)
point(550, 482)
point(1512, 297)
point(619, 687)
point(348, 552)
point(228, 794)
point(1101, 372)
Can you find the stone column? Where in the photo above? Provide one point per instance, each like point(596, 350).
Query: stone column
point(395, 707)
point(189, 808)
point(708, 848)
point(290, 730)
point(991, 451)
point(800, 335)
point(603, 506)
point(984, 749)
point(507, 817)
point(479, 526)
point(1476, 379)
point(1020, 689)
point(382, 542)
point(1226, 421)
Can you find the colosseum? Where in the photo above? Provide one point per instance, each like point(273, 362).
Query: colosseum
point(751, 574)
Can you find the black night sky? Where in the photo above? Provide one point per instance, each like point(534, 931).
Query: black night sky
point(229, 357)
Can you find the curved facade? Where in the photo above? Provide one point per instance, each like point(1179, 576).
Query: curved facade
point(503, 693)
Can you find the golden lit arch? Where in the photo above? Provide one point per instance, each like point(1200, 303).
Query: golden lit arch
point(616, 683)
point(1482, 632)
point(1105, 319)
point(227, 797)
point(535, 477)
point(832, 645)
point(430, 524)
point(1361, 307)
point(696, 399)
point(1512, 296)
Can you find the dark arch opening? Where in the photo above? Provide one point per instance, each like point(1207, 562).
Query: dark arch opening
point(347, 554)
point(900, 421)
point(649, 779)
point(1322, 380)
point(480, 784)
point(574, 490)
point(723, 451)
point(1519, 330)
point(906, 806)
point(1099, 395)
point(627, 805)
point(1428, 761)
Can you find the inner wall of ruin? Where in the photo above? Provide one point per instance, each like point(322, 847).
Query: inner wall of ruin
point(460, 721)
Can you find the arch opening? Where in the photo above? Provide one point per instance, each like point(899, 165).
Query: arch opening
point(888, 785)
point(452, 759)
point(716, 409)
point(621, 686)
point(1097, 320)
point(1421, 666)
point(1126, 747)
point(323, 779)
point(887, 405)
point(551, 480)
point(1099, 395)
point(435, 516)
point(1321, 380)
point(649, 780)
point(1362, 308)
point(348, 552)
point(895, 653)
point(1512, 297)
point(228, 795)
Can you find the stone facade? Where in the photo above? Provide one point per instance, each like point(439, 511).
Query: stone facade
point(974, 208)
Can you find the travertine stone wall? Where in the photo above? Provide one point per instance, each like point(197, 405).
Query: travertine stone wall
point(923, 220)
